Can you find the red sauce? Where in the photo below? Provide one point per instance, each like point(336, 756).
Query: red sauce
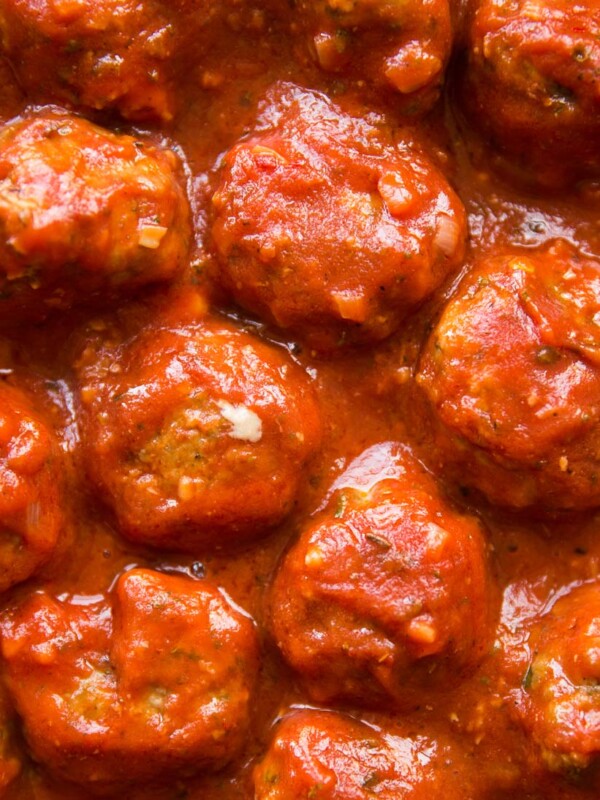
point(299, 359)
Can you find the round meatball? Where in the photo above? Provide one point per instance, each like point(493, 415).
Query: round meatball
point(104, 54)
point(324, 755)
point(83, 212)
point(533, 85)
point(385, 594)
point(196, 434)
point(324, 226)
point(559, 700)
point(156, 680)
point(509, 381)
point(33, 524)
point(400, 45)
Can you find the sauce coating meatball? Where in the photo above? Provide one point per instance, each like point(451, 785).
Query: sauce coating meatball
point(155, 680)
point(104, 54)
point(385, 594)
point(83, 212)
point(325, 755)
point(197, 434)
point(400, 45)
point(533, 85)
point(325, 226)
point(559, 701)
point(33, 524)
point(509, 381)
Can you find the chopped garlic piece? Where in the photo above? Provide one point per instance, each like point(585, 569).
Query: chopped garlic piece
point(151, 236)
point(245, 423)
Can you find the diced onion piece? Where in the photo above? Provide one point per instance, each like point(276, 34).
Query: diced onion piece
point(150, 236)
point(422, 630)
point(351, 306)
point(447, 235)
point(412, 69)
point(397, 194)
point(330, 49)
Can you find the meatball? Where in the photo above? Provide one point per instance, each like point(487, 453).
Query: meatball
point(153, 681)
point(104, 54)
point(559, 702)
point(532, 84)
point(509, 381)
point(385, 594)
point(324, 755)
point(196, 434)
point(83, 212)
point(10, 761)
point(326, 227)
point(33, 523)
point(400, 45)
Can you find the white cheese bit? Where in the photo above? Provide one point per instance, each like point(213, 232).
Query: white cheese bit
point(245, 423)
point(150, 236)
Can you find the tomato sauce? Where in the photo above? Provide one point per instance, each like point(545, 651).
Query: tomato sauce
point(273, 368)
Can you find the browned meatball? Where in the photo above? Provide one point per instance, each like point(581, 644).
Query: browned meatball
point(509, 381)
point(322, 755)
point(83, 213)
point(559, 700)
point(385, 596)
point(34, 526)
point(93, 53)
point(533, 85)
point(325, 226)
point(400, 45)
point(196, 434)
point(154, 681)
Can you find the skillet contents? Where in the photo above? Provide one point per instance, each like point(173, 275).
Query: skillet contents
point(299, 399)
